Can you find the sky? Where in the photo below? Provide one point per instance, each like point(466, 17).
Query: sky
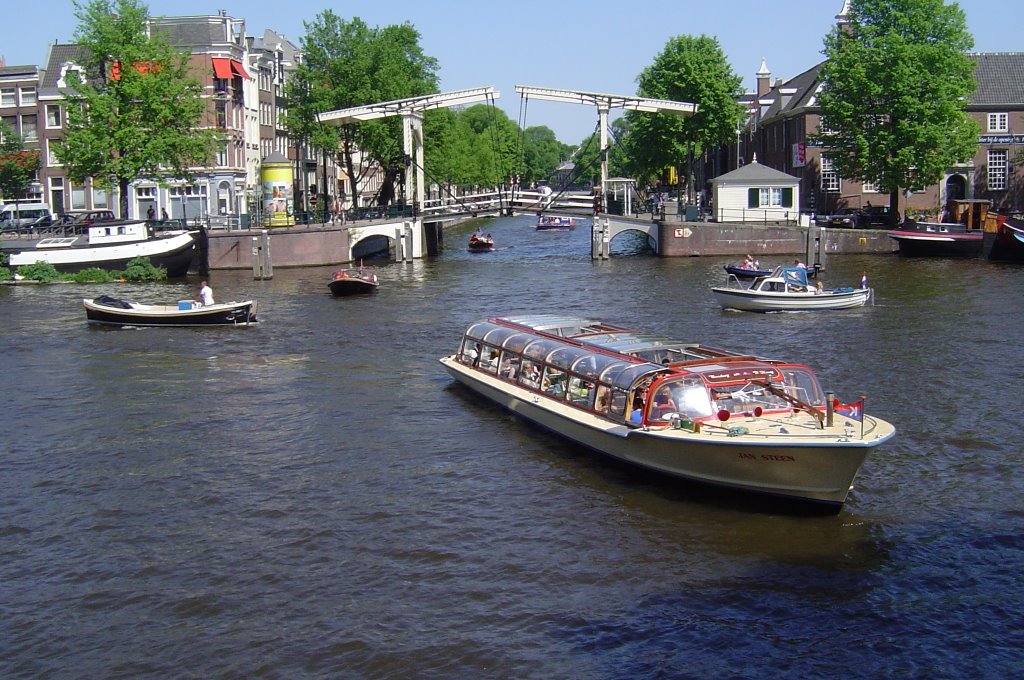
point(592, 45)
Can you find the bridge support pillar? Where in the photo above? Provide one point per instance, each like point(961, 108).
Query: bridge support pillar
point(600, 247)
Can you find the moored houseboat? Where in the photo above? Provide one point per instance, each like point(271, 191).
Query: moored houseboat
point(681, 409)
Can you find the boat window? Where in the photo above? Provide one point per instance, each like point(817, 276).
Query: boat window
point(618, 407)
point(530, 374)
point(802, 384)
point(591, 365)
point(489, 358)
point(603, 400)
point(478, 330)
point(516, 343)
point(614, 370)
point(634, 373)
point(563, 357)
point(553, 382)
point(497, 336)
point(689, 396)
point(470, 351)
point(539, 349)
point(581, 391)
point(509, 366)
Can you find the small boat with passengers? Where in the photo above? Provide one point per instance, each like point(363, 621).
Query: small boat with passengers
point(555, 223)
point(685, 410)
point(353, 280)
point(113, 311)
point(478, 243)
point(111, 246)
point(787, 290)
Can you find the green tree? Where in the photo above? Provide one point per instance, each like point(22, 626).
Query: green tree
point(542, 153)
point(689, 69)
point(18, 166)
point(137, 110)
point(896, 83)
point(348, 64)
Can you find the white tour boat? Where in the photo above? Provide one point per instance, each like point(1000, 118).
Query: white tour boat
point(686, 410)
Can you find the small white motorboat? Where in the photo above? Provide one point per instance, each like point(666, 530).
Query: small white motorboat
point(787, 290)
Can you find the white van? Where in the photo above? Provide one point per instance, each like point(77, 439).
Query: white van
point(13, 217)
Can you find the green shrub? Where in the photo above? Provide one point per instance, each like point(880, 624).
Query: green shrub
point(44, 272)
point(5, 274)
point(141, 269)
point(92, 275)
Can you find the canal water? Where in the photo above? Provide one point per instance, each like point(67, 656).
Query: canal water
point(314, 497)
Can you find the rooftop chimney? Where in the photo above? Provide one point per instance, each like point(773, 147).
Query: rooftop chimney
point(764, 79)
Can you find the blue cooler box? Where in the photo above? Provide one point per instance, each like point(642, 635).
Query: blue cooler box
point(184, 305)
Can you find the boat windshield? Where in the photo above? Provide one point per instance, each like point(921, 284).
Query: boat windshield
point(564, 357)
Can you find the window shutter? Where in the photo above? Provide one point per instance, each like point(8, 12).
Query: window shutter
point(753, 197)
point(787, 197)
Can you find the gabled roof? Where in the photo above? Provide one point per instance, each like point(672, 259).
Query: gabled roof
point(57, 56)
point(755, 173)
point(1000, 79)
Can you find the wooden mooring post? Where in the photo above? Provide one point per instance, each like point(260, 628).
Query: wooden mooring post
point(262, 265)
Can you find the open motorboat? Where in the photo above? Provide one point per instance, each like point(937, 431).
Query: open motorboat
point(685, 410)
point(787, 290)
point(111, 246)
point(478, 243)
point(555, 223)
point(109, 310)
point(353, 280)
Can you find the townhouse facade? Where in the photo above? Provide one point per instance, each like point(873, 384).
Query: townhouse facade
point(243, 80)
point(784, 116)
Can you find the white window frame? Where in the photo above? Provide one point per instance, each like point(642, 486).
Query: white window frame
point(998, 169)
point(54, 112)
point(830, 179)
point(8, 96)
point(28, 95)
point(51, 157)
point(999, 122)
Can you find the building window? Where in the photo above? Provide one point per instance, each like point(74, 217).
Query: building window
point(77, 197)
point(222, 155)
point(100, 198)
point(829, 177)
point(998, 122)
point(870, 188)
point(7, 96)
point(29, 128)
point(770, 197)
point(53, 116)
point(28, 96)
point(51, 152)
point(222, 115)
point(997, 169)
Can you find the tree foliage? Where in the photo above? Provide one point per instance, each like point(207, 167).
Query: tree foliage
point(896, 84)
point(348, 64)
point(17, 165)
point(689, 69)
point(136, 111)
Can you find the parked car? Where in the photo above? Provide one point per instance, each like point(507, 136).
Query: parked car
point(80, 220)
point(847, 218)
point(24, 217)
point(879, 216)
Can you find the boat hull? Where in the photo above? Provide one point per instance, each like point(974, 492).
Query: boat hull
point(819, 467)
point(766, 301)
point(938, 240)
point(173, 253)
point(226, 314)
point(342, 287)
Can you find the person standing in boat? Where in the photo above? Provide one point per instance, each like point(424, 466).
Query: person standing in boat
point(205, 297)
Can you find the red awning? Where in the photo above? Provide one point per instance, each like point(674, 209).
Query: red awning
point(222, 68)
point(237, 67)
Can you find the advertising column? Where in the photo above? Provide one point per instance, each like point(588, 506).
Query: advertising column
point(278, 201)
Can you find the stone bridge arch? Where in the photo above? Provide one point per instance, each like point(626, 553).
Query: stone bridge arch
point(607, 227)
